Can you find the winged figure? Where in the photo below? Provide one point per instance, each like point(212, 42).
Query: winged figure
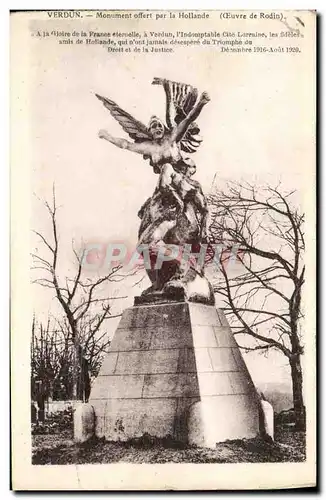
point(162, 143)
point(177, 211)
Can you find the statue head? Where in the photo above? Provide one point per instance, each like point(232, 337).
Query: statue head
point(156, 128)
point(186, 166)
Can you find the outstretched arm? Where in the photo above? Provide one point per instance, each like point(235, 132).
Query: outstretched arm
point(143, 148)
point(181, 129)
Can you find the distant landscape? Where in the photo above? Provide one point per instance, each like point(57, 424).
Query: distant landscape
point(278, 395)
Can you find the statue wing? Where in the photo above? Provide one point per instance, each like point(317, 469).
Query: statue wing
point(180, 100)
point(137, 130)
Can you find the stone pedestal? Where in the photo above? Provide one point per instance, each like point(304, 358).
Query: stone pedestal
point(175, 370)
point(84, 422)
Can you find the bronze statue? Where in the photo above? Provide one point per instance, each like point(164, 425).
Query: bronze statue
point(177, 212)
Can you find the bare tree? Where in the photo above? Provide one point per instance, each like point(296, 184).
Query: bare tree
point(263, 299)
point(84, 304)
point(52, 356)
point(46, 362)
point(93, 341)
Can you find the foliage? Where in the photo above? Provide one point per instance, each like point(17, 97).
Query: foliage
point(61, 421)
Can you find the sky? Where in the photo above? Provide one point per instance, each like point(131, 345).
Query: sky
point(258, 126)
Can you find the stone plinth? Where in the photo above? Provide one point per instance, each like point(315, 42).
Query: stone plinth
point(83, 421)
point(175, 370)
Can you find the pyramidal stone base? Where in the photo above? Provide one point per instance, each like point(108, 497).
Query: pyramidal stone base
point(174, 370)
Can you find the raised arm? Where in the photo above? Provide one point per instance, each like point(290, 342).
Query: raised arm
point(181, 129)
point(143, 148)
point(169, 107)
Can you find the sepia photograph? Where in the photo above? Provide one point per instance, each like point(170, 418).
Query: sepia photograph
point(163, 247)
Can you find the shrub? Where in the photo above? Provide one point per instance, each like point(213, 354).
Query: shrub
point(55, 422)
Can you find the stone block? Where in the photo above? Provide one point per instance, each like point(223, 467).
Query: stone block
point(84, 422)
point(203, 360)
point(154, 315)
point(119, 386)
point(239, 360)
point(101, 406)
point(222, 318)
point(100, 425)
point(181, 418)
point(109, 363)
point(172, 338)
point(209, 425)
point(203, 315)
point(187, 361)
point(100, 410)
point(131, 340)
point(130, 418)
point(195, 426)
point(171, 385)
point(222, 359)
point(214, 384)
point(143, 362)
point(224, 336)
point(204, 336)
point(268, 419)
point(241, 384)
point(162, 385)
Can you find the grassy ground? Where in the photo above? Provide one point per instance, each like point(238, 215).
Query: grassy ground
point(59, 449)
